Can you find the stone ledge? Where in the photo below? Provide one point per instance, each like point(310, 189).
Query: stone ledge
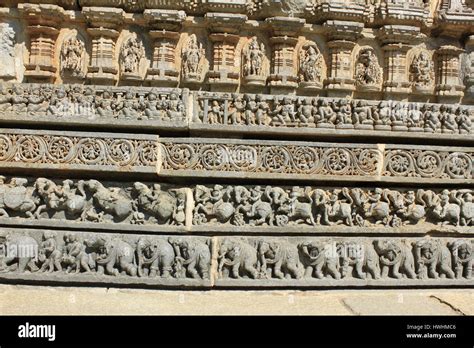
point(36, 300)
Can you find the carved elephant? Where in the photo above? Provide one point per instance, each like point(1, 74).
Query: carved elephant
point(433, 259)
point(318, 260)
point(194, 255)
point(239, 256)
point(361, 257)
point(461, 250)
point(155, 257)
point(19, 253)
point(282, 256)
point(114, 256)
point(397, 257)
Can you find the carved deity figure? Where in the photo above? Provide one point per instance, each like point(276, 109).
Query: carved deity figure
point(72, 57)
point(7, 52)
point(310, 64)
point(130, 56)
point(192, 54)
point(253, 58)
point(422, 69)
point(367, 71)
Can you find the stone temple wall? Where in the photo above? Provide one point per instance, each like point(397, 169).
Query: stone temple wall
point(237, 144)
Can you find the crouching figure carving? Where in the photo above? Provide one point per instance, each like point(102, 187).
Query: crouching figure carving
point(395, 257)
point(75, 257)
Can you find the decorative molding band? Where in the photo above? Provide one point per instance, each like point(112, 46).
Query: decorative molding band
point(279, 114)
point(33, 149)
point(69, 257)
point(162, 208)
point(80, 105)
point(61, 257)
point(315, 161)
point(179, 110)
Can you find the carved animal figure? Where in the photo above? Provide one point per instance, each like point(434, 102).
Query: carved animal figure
point(111, 200)
point(194, 255)
point(433, 259)
point(361, 257)
point(397, 257)
point(214, 203)
point(156, 202)
point(16, 197)
point(20, 253)
point(282, 256)
point(59, 198)
point(318, 260)
point(239, 256)
point(155, 257)
point(461, 251)
point(114, 256)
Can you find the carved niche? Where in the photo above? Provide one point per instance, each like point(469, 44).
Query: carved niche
point(253, 58)
point(72, 58)
point(7, 52)
point(422, 71)
point(368, 74)
point(132, 53)
point(192, 59)
point(310, 66)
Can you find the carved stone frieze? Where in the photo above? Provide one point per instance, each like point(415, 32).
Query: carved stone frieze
point(93, 105)
point(268, 111)
point(336, 260)
point(47, 256)
point(85, 202)
point(310, 206)
point(80, 257)
point(76, 150)
point(315, 161)
point(151, 206)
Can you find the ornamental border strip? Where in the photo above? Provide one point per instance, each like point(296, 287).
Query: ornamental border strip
point(59, 150)
point(133, 108)
point(63, 257)
point(153, 207)
point(263, 159)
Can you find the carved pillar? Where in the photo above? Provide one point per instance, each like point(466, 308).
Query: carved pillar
point(342, 38)
point(283, 76)
point(103, 23)
point(43, 21)
point(469, 68)
point(165, 26)
point(397, 41)
point(448, 87)
point(224, 29)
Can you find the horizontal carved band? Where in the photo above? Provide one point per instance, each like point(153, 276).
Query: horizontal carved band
point(314, 161)
point(161, 261)
point(96, 105)
point(331, 113)
point(151, 207)
point(169, 109)
point(77, 150)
